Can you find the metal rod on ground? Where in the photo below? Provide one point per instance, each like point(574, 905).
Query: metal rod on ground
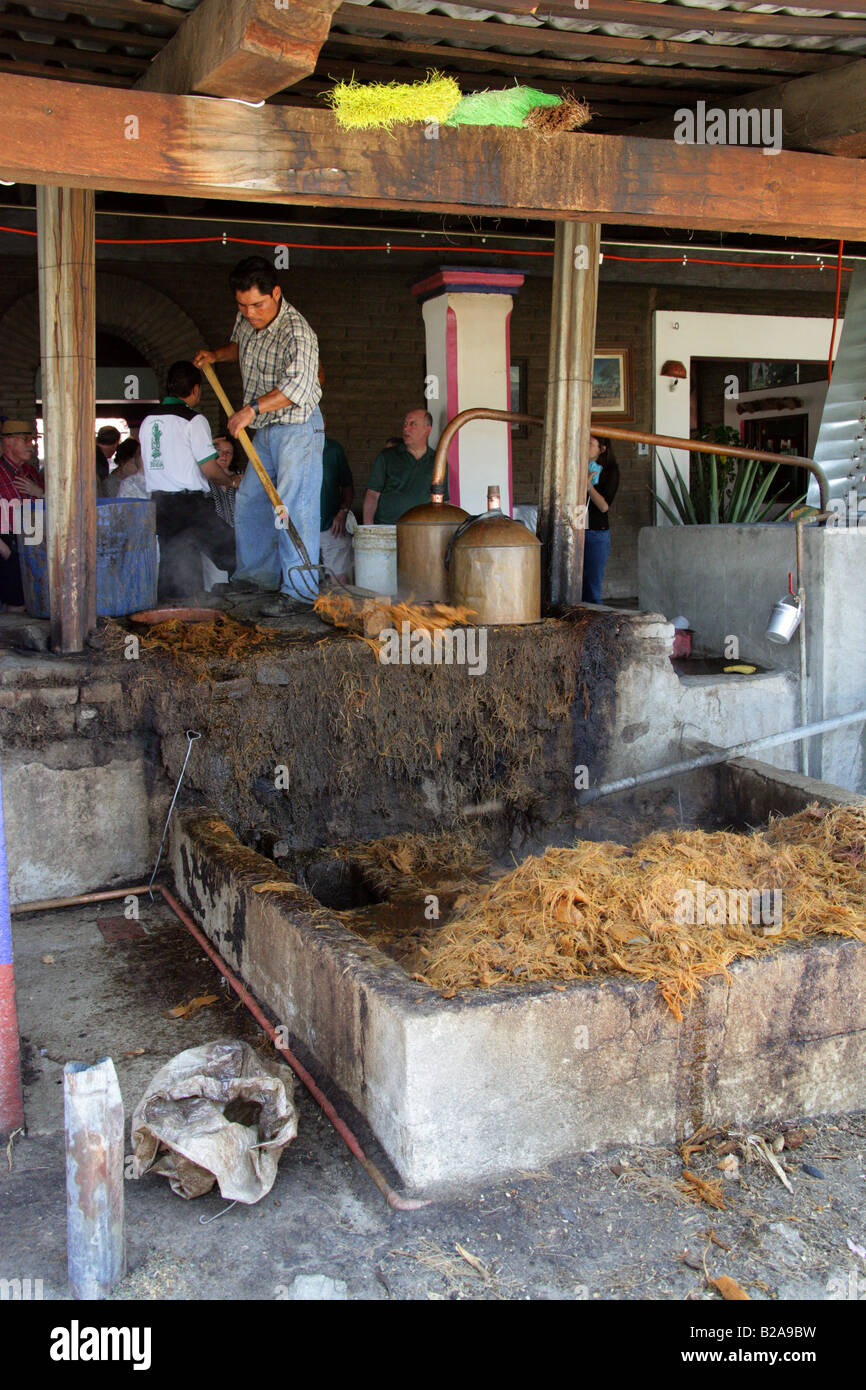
point(191, 736)
point(393, 1198)
point(80, 900)
point(96, 1256)
point(722, 756)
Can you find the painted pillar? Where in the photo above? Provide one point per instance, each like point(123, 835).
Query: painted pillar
point(11, 1101)
point(67, 319)
point(565, 460)
point(467, 313)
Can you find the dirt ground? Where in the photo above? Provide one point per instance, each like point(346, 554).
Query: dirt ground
point(607, 1226)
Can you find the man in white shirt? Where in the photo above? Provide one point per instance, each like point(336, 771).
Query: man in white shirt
point(179, 456)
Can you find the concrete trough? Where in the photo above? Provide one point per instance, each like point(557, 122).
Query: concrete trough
point(496, 1081)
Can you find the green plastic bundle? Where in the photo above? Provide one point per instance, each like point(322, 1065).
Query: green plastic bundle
point(381, 105)
point(509, 107)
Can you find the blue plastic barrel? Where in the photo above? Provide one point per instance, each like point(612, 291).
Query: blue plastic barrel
point(126, 559)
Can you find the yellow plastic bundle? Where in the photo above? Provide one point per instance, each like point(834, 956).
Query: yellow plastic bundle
point(381, 105)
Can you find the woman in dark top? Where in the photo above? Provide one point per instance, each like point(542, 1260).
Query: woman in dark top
point(603, 483)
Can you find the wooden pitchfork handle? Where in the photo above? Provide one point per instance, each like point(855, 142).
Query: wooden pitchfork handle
point(274, 498)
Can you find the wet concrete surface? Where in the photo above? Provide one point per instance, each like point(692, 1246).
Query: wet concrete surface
point(607, 1226)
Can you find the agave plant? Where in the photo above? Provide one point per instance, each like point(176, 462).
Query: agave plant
point(721, 490)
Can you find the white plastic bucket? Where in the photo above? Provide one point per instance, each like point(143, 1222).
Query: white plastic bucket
point(784, 619)
point(376, 558)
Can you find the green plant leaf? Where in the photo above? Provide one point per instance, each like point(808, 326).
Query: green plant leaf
point(679, 494)
point(714, 490)
point(742, 489)
point(698, 488)
point(755, 502)
point(677, 520)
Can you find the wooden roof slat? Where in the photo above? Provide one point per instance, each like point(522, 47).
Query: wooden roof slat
point(76, 57)
point(684, 19)
point(18, 68)
point(438, 55)
point(131, 11)
point(120, 38)
point(370, 19)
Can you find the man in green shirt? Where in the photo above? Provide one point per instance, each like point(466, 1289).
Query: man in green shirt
point(401, 477)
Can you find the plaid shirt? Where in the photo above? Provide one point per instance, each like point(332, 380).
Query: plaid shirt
point(9, 475)
point(282, 357)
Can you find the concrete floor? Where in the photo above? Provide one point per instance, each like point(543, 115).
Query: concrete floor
point(602, 1226)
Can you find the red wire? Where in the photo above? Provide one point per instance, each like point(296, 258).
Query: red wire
point(463, 250)
point(835, 312)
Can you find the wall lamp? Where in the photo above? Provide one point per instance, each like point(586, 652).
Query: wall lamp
point(675, 371)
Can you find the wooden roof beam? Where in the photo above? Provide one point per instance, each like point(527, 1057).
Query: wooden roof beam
point(62, 133)
point(245, 49)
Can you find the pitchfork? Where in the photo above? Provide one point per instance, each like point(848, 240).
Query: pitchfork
point(281, 513)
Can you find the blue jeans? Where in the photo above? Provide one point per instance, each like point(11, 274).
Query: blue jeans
point(596, 548)
point(292, 456)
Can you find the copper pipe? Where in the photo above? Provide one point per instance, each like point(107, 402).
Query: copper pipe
point(599, 427)
point(478, 412)
point(702, 446)
point(48, 904)
point(393, 1198)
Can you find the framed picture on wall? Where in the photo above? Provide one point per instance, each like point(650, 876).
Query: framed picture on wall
point(612, 384)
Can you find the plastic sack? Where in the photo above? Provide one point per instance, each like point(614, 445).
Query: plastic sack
point(216, 1113)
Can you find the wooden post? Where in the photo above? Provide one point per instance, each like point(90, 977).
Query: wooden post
point(67, 274)
point(95, 1249)
point(564, 469)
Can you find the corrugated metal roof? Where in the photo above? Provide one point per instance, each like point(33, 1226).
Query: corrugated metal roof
point(584, 24)
point(55, 41)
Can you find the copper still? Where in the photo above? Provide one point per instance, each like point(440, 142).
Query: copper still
point(494, 567)
point(423, 534)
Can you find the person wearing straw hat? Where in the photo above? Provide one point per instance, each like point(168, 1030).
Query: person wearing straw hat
point(278, 354)
point(19, 482)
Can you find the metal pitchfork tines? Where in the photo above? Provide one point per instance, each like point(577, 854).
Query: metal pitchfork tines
point(305, 570)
